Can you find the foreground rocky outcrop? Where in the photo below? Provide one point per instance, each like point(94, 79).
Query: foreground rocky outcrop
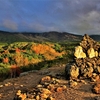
point(86, 63)
point(43, 90)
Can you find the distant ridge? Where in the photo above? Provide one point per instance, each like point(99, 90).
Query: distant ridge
point(95, 37)
point(52, 36)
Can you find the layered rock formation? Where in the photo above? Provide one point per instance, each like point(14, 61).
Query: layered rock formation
point(87, 60)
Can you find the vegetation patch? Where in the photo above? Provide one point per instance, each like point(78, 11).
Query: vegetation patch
point(19, 57)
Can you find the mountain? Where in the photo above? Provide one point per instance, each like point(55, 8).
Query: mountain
point(95, 37)
point(38, 37)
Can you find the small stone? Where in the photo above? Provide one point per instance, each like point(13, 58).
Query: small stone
point(23, 96)
point(6, 84)
point(50, 98)
point(21, 85)
point(64, 87)
point(39, 86)
point(59, 89)
point(96, 88)
point(43, 96)
point(37, 97)
point(10, 83)
point(18, 92)
point(46, 91)
point(73, 83)
point(51, 87)
point(95, 77)
point(46, 79)
point(0, 94)
point(1, 86)
point(96, 54)
point(83, 81)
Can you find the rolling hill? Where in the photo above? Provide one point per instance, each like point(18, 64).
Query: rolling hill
point(37, 37)
point(52, 36)
point(95, 37)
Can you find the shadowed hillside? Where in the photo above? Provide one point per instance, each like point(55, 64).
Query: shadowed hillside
point(95, 37)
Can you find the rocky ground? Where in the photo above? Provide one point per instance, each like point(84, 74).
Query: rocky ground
point(47, 84)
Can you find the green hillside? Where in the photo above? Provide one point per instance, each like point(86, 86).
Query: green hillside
point(53, 36)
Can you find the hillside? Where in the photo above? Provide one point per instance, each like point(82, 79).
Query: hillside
point(37, 37)
point(95, 37)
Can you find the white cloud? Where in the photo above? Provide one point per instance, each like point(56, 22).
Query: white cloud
point(9, 24)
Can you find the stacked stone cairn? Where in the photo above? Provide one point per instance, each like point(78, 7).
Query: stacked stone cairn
point(86, 63)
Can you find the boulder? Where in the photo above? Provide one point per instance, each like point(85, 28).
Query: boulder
point(72, 71)
point(79, 52)
point(91, 53)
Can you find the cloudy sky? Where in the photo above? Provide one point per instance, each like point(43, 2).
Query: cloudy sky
point(76, 16)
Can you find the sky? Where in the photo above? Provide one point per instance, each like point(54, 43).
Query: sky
point(74, 16)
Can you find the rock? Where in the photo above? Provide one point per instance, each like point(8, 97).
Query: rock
point(83, 81)
point(79, 52)
point(89, 64)
point(74, 71)
point(46, 91)
point(97, 98)
point(96, 88)
point(39, 86)
point(50, 98)
point(51, 87)
point(23, 96)
point(71, 71)
point(96, 54)
point(72, 83)
point(46, 79)
point(37, 97)
point(43, 96)
point(98, 69)
point(95, 77)
point(91, 53)
point(24, 73)
point(1, 86)
point(88, 42)
point(59, 89)
point(18, 92)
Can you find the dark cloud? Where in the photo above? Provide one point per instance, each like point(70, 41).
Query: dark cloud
point(77, 16)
